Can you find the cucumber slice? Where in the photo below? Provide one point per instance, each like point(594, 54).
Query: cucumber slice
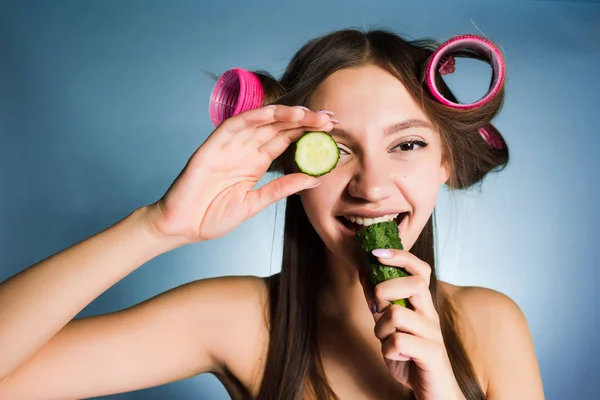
point(316, 153)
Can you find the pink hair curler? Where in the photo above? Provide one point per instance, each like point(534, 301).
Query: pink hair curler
point(442, 59)
point(491, 136)
point(236, 91)
point(442, 62)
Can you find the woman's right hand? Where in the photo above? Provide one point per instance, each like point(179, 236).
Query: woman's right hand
point(214, 192)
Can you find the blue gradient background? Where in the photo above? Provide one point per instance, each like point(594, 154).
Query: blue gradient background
point(102, 103)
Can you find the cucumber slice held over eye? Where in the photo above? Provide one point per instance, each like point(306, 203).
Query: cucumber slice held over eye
point(316, 153)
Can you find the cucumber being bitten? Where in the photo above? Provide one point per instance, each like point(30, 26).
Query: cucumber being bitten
point(381, 235)
point(316, 153)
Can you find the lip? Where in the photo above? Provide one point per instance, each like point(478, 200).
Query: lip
point(365, 213)
point(403, 224)
point(345, 230)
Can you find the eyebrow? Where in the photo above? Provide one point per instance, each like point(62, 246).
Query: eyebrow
point(397, 127)
point(409, 123)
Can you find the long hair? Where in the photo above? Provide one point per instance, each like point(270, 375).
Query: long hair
point(293, 367)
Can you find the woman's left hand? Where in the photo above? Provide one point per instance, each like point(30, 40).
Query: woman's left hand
point(411, 339)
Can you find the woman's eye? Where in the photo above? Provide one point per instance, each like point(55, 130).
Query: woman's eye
point(343, 152)
point(410, 145)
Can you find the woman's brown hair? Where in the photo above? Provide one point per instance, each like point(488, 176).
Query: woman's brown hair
point(293, 368)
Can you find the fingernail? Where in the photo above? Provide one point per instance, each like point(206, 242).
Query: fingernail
point(317, 183)
point(373, 307)
point(326, 112)
point(304, 108)
point(334, 121)
point(270, 106)
point(383, 253)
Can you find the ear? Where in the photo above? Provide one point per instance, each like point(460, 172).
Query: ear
point(445, 170)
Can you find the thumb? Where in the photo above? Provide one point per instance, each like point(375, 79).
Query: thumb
point(278, 189)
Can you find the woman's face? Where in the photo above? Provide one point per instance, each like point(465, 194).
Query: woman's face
point(390, 159)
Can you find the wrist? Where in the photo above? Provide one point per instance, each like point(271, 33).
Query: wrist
point(144, 218)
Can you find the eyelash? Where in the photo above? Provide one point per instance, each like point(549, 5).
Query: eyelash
point(408, 142)
point(412, 142)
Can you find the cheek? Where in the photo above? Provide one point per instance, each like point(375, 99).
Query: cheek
point(310, 201)
point(319, 202)
point(421, 184)
point(420, 193)
point(316, 202)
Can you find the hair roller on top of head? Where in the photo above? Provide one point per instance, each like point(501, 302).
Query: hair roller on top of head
point(236, 91)
point(442, 63)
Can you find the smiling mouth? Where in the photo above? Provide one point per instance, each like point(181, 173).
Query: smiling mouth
point(357, 225)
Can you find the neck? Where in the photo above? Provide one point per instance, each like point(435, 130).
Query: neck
point(343, 296)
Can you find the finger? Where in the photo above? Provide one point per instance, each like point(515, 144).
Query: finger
point(284, 117)
point(409, 262)
point(415, 267)
point(231, 127)
point(401, 319)
point(278, 189)
point(412, 288)
point(309, 118)
point(311, 121)
point(400, 346)
point(281, 113)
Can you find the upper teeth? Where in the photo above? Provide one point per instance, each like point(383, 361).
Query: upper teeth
point(369, 221)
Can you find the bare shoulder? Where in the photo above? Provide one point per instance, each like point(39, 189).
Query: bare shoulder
point(249, 289)
point(238, 306)
point(244, 331)
point(243, 309)
point(497, 338)
point(239, 326)
point(485, 309)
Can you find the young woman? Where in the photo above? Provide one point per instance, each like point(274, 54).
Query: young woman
point(317, 329)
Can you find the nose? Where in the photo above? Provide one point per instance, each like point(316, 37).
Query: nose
point(373, 181)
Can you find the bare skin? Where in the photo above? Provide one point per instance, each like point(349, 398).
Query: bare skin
point(355, 369)
point(220, 325)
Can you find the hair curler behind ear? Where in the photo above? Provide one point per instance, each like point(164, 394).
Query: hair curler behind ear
point(236, 91)
point(491, 136)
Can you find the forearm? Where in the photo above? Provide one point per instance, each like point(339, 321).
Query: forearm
point(39, 301)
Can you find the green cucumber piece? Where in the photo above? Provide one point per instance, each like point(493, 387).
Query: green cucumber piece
point(316, 153)
point(382, 235)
